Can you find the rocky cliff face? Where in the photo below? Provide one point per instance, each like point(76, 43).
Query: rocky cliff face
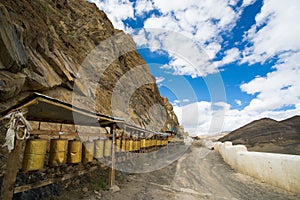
point(69, 50)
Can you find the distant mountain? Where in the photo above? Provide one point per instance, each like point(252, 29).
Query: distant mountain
point(268, 135)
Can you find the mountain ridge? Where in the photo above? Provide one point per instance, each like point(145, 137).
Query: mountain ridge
point(269, 135)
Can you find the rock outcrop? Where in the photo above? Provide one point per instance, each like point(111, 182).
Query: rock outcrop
point(69, 50)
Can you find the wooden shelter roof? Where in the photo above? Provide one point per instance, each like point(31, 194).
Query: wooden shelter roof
point(43, 108)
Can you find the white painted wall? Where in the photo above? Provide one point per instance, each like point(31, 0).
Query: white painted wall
point(280, 170)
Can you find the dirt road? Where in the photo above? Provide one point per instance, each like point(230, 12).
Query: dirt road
point(198, 174)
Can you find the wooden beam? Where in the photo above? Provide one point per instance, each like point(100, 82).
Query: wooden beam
point(68, 133)
point(10, 175)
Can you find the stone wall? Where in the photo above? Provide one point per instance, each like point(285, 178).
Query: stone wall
point(280, 170)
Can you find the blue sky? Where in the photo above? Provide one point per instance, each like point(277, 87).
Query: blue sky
point(221, 63)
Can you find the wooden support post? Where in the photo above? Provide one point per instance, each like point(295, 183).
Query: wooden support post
point(112, 171)
point(12, 167)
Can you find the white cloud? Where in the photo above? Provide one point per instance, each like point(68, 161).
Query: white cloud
point(248, 2)
point(143, 6)
point(180, 102)
point(275, 34)
point(212, 49)
point(159, 80)
point(199, 22)
point(280, 33)
point(116, 11)
point(176, 101)
point(230, 56)
point(278, 89)
point(238, 102)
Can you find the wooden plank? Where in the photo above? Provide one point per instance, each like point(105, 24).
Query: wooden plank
point(51, 181)
point(66, 133)
point(12, 167)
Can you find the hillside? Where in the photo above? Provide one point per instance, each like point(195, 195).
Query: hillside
point(268, 135)
point(69, 50)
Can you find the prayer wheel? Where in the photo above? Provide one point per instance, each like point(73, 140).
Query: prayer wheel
point(99, 148)
point(153, 142)
point(74, 151)
point(135, 145)
point(143, 143)
point(170, 139)
point(129, 145)
point(107, 149)
point(148, 143)
point(159, 142)
point(138, 145)
point(88, 152)
point(34, 154)
point(123, 148)
point(118, 145)
point(166, 141)
point(58, 152)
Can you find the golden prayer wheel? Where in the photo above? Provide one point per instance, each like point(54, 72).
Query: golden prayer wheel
point(123, 145)
point(88, 152)
point(138, 145)
point(170, 139)
point(143, 143)
point(148, 143)
point(118, 145)
point(34, 154)
point(107, 149)
point(153, 142)
point(74, 151)
point(58, 152)
point(129, 145)
point(135, 145)
point(167, 141)
point(99, 148)
point(159, 142)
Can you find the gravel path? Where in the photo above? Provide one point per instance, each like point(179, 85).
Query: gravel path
point(198, 174)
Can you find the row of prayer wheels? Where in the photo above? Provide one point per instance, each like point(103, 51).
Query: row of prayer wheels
point(63, 151)
point(130, 145)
